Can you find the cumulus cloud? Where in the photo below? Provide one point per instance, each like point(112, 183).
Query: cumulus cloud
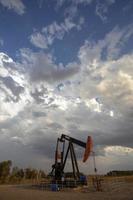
point(96, 100)
point(110, 76)
point(12, 87)
point(110, 79)
point(16, 5)
point(43, 68)
point(54, 31)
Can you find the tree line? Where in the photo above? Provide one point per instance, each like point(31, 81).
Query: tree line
point(120, 173)
point(9, 174)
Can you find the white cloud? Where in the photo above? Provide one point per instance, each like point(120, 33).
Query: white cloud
point(100, 63)
point(39, 40)
point(116, 86)
point(16, 5)
point(94, 105)
point(118, 150)
point(106, 72)
point(12, 88)
point(108, 48)
point(54, 31)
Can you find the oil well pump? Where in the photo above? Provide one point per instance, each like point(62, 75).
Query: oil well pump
point(61, 155)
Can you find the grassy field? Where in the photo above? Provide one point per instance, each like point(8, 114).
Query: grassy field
point(113, 189)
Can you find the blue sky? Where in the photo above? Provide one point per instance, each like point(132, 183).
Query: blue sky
point(66, 67)
point(16, 28)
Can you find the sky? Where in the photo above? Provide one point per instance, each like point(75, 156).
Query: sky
point(66, 66)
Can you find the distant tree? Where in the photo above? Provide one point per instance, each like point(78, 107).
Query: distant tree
point(21, 173)
point(17, 174)
point(42, 174)
point(5, 168)
point(31, 173)
point(34, 174)
point(120, 173)
point(15, 171)
point(27, 173)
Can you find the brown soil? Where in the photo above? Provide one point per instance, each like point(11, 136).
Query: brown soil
point(123, 192)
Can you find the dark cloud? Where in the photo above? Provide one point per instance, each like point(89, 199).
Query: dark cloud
point(41, 96)
point(38, 95)
point(13, 86)
point(39, 114)
point(43, 68)
point(54, 73)
point(55, 126)
point(44, 145)
point(105, 130)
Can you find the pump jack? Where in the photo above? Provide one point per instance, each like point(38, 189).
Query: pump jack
point(61, 157)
